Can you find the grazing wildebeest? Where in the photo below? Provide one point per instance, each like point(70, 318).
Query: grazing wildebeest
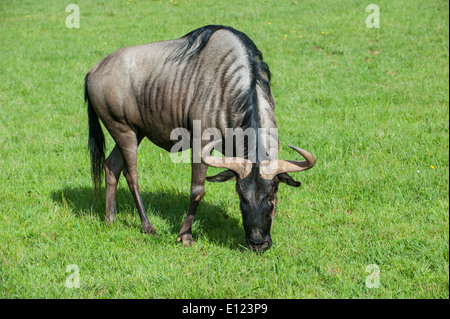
point(214, 74)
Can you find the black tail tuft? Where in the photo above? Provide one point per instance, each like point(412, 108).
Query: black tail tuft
point(96, 143)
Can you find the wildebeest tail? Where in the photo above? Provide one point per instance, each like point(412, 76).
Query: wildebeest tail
point(96, 142)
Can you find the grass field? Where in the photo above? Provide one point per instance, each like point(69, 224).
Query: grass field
point(372, 104)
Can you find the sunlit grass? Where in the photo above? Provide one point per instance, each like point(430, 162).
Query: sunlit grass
point(370, 104)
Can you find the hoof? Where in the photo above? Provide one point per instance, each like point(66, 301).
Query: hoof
point(148, 229)
point(186, 240)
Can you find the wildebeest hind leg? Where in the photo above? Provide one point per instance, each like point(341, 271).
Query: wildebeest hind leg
point(197, 192)
point(128, 147)
point(113, 166)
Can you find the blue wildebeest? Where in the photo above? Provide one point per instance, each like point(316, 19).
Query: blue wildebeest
point(214, 74)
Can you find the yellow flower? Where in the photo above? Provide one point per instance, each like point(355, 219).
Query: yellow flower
point(300, 36)
point(432, 166)
point(268, 23)
point(323, 32)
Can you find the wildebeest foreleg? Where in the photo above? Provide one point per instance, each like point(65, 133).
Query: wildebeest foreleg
point(113, 166)
point(197, 192)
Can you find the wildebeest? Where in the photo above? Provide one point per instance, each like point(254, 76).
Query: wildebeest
point(214, 74)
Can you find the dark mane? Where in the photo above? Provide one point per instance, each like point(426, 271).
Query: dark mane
point(201, 36)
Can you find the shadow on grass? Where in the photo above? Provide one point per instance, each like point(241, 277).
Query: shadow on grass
point(211, 221)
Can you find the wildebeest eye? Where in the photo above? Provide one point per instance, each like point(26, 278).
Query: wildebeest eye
point(272, 192)
point(273, 189)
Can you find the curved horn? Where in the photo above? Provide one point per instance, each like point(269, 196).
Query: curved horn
point(269, 169)
point(239, 165)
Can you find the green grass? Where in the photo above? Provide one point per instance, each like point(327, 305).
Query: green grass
point(371, 104)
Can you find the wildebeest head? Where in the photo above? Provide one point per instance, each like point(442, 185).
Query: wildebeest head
point(257, 186)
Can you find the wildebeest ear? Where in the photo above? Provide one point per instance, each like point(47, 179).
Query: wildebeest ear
point(285, 178)
point(222, 177)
